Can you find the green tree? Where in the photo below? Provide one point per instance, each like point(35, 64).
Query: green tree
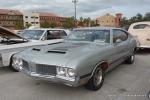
point(45, 24)
point(147, 17)
point(19, 25)
point(69, 23)
point(28, 25)
point(52, 25)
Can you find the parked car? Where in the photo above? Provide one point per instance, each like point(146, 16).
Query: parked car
point(44, 34)
point(11, 43)
point(82, 58)
point(141, 32)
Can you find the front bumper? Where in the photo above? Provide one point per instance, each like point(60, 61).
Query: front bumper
point(56, 79)
point(144, 46)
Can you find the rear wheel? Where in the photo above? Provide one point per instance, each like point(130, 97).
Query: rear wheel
point(130, 59)
point(96, 82)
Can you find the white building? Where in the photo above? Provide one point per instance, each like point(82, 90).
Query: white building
point(31, 19)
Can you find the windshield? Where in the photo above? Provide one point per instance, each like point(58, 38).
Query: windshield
point(102, 36)
point(32, 34)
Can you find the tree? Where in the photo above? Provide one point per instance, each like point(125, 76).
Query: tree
point(45, 24)
point(93, 23)
point(139, 17)
point(69, 23)
point(19, 25)
point(52, 24)
point(28, 25)
point(147, 17)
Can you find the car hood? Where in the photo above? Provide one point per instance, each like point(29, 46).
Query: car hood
point(60, 54)
point(6, 33)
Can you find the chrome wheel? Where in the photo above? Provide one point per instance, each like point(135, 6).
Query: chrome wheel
point(132, 58)
point(97, 80)
point(98, 77)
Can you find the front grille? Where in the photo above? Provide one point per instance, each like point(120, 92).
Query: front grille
point(45, 69)
point(25, 65)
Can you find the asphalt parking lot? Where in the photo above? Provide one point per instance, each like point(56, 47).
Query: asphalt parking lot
point(126, 82)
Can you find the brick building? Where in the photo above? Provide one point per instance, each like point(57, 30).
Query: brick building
point(109, 20)
point(51, 18)
point(12, 19)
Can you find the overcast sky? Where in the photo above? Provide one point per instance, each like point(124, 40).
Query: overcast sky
point(85, 8)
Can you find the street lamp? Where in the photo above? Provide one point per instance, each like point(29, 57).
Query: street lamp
point(75, 6)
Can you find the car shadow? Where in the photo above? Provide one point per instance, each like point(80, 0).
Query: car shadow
point(5, 70)
point(143, 52)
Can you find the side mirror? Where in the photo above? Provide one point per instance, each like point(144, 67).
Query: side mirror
point(118, 41)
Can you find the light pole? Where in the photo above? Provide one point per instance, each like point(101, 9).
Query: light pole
point(75, 7)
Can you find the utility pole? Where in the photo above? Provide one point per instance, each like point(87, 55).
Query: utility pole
point(75, 15)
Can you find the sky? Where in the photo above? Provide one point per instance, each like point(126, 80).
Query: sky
point(85, 8)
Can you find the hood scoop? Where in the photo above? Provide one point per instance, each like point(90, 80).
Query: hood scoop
point(34, 49)
point(61, 51)
point(56, 51)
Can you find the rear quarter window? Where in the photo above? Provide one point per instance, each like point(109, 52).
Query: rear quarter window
point(141, 26)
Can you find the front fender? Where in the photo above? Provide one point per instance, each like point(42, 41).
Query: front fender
point(6, 58)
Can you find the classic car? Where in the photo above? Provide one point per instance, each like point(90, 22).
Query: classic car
point(11, 43)
point(141, 32)
point(82, 58)
point(37, 34)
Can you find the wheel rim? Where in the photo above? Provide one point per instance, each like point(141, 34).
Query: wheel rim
point(132, 58)
point(98, 77)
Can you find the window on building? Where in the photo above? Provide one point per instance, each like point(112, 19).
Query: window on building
point(26, 16)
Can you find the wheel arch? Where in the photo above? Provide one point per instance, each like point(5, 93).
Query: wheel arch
point(103, 64)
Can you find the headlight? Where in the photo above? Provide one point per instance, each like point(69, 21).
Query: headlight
point(66, 72)
point(61, 71)
point(71, 72)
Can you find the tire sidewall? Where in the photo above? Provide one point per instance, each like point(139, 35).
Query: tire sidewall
point(97, 87)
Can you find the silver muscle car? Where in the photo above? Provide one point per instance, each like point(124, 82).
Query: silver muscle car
point(11, 43)
point(82, 58)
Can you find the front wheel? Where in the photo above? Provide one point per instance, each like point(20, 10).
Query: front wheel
point(11, 66)
point(97, 80)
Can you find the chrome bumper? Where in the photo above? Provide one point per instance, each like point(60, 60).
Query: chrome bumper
point(144, 46)
point(55, 79)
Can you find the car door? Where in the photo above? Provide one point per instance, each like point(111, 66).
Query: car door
point(121, 43)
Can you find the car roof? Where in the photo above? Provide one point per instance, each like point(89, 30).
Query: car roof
point(45, 29)
point(97, 28)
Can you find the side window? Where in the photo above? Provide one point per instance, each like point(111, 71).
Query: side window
point(63, 33)
point(141, 26)
point(55, 34)
point(50, 36)
point(119, 34)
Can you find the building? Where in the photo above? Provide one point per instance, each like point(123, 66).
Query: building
point(51, 18)
point(12, 19)
point(109, 20)
point(31, 19)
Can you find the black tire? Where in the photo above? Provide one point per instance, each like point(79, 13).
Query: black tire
point(130, 59)
point(11, 66)
point(148, 95)
point(95, 84)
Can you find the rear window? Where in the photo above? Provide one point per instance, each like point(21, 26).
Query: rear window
point(142, 26)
